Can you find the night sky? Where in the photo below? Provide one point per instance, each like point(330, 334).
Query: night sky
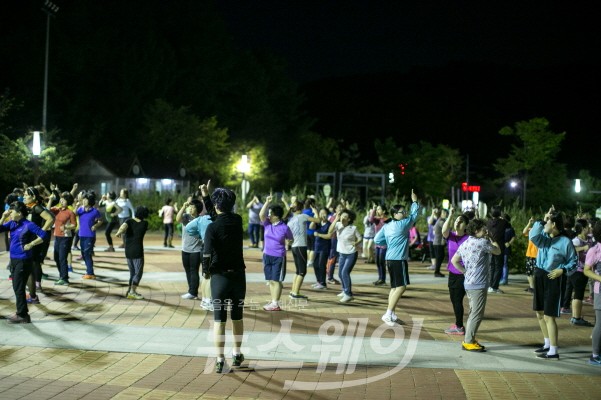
point(448, 72)
point(522, 59)
point(322, 39)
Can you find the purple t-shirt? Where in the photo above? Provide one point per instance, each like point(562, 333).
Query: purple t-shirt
point(275, 238)
point(86, 220)
point(453, 242)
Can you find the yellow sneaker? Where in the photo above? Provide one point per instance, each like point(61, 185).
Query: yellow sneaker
point(471, 346)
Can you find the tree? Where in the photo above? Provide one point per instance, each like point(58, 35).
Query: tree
point(173, 133)
point(533, 161)
point(427, 167)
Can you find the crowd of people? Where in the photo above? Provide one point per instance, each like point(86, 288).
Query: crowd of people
point(563, 259)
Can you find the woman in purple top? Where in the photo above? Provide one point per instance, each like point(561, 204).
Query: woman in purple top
point(89, 219)
point(274, 251)
point(456, 277)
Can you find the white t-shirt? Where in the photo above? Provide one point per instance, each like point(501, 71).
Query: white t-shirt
point(347, 237)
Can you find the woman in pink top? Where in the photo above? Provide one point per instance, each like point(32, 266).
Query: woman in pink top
point(167, 213)
point(456, 277)
point(592, 270)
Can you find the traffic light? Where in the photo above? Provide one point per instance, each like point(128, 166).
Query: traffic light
point(402, 168)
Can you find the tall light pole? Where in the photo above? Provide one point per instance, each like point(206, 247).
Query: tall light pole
point(50, 9)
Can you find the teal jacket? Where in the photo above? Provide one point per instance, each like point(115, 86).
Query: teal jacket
point(553, 252)
point(395, 235)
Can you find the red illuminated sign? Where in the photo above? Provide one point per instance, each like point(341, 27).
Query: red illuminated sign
point(469, 188)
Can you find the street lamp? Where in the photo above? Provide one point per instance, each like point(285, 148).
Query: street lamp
point(50, 9)
point(36, 150)
point(244, 168)
point(521, 186)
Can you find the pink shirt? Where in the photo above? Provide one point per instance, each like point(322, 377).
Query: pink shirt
point(593, 257)
point(167, 212)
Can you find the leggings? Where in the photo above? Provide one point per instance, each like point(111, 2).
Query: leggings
point(136, 269)
point(457, 294)
point(597, 333)
point(300, 259)
point(381, 262)
point(228, 290)
point(109, 229)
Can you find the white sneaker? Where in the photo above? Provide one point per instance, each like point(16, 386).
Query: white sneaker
point(388, 320)
point(491, 290)
point(346, 298)
point(188, 296)
point(206, 305)
point(340, 294)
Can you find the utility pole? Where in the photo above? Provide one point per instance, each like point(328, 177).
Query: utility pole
point(50, 9)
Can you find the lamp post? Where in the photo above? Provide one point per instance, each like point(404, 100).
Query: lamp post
point(50, 9)
point(36, 150)
point(244, 168)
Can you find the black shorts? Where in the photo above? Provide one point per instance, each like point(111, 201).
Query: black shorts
point(548, 293)
point(399, 273)
point(578, 281)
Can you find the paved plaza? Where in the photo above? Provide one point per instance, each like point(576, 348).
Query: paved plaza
point(87, 341)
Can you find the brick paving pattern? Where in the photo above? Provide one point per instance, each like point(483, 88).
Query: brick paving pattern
point(58, 366)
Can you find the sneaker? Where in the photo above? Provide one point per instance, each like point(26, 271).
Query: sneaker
point(565, 310)
point(529, 290)
point(33, 300)
point(135, 296)
point(545, 356)
point(438, 275)
point(346, 298)
point(61, 282)
point(379, 282)
point(340, 294)
point(319, 286)
point(455, 330)
point(110, 249)
point(431, 268)
point(580, 322)
point(333, 282)
point(188, 296)
point(15, 319)
point(497, 291)
point(70, 268)
point(491, 290)
point(472, 347)
point(541, 349)
point(388, 320)
point(87, 276)
point(76, 248)
point(478, 343)
point(207, 306)
point(171, 247)
point(503, 283)
point(297, 296)
point(80, 258)
point(272, 307)
point(237, 360)
point(595, 360)
point(219, 366)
